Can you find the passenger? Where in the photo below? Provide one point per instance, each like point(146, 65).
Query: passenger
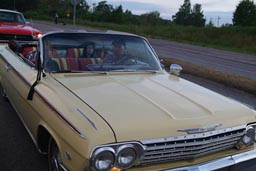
point(119, 52)
point(89, 51)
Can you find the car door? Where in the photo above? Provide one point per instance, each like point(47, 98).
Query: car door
point(17, 77)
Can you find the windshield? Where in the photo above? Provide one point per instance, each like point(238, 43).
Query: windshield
point(73, 52)
point(11, 17)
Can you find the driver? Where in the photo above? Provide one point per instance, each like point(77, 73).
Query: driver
point(119, 53)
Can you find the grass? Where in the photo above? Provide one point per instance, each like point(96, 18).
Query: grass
point(239, 39)
point(230, 80)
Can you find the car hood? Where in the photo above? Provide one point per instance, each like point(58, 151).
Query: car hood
point(142, 107)
point(16, 28)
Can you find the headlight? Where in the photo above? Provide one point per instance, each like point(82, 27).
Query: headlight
point(248, 138)
point(126, 156)
point(254, 127)
point(119, 155)
point(254, 134)
point(103, 159)
point(39, 36)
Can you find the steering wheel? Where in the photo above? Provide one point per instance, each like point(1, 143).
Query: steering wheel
point(127, 60)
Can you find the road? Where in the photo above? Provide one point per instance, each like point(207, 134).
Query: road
point(225, 61)
point(17, 149)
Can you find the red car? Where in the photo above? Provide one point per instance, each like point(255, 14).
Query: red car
point(13, 26)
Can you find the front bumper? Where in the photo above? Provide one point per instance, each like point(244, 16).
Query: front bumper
point(221, 163)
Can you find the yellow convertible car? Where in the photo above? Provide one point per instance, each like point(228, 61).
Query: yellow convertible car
point(102, 102)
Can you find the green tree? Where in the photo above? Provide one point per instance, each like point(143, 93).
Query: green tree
point(82, 9)
point(245, 14)
point(128, 17)
point(182, 17)
point(118, 14)
point(210, 24)
point(186, 16)
point(151, 18)
point(102, 12)
point(51, 4)
point(197, 16)
point(103, 7)
point(19, 5)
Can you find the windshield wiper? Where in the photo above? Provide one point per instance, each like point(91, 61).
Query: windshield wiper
point(122, 70)
point(106, 72)
point(84, 72)
point(134, 70)
point(65, 71)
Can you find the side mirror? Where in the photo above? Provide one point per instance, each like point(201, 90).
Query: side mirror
point(28, 23)
point(175, 69)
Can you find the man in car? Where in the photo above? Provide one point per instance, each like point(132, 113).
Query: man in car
point(119, 52)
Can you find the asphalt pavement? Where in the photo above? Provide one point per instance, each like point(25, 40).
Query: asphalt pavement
point(17, 150)
point(229, 62)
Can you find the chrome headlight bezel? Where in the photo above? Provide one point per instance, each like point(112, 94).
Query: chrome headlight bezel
point(123, 152)
point(99, 153)
point(254, 126)
point(249, 137)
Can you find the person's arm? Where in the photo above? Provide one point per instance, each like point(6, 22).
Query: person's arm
point(109, 58)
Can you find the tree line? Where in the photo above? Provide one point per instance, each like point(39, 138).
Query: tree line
point(187, 15)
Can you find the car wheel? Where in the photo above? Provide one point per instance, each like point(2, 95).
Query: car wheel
point(54, 157)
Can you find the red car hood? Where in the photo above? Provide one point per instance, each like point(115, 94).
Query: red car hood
point(17, 28)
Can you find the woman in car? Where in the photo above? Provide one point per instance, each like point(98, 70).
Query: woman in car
point(89, 51)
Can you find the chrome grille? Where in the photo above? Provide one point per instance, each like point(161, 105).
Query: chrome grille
point(16, 37)
point(191, 146)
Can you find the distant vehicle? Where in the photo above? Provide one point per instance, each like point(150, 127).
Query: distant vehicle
point(13, 26)
point(118, 109)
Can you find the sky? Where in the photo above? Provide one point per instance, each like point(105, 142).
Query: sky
point(219, 11)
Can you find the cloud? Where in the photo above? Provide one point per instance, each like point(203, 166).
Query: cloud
point(168, 8)
point(143, 7)
point(174, 5)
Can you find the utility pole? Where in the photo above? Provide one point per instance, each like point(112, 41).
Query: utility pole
point(74, 2)
point(211, 22)
point(74, 15)
point(218, 21)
